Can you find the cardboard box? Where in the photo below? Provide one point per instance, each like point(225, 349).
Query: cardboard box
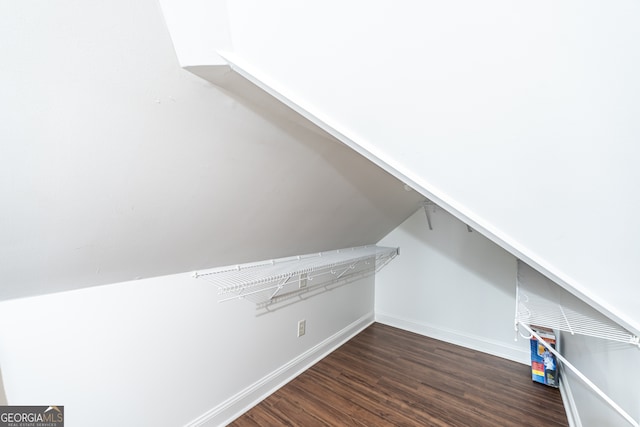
point(544, 367)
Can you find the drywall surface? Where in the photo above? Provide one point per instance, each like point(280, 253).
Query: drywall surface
point(195, 26)
point(116, 164)
point(518, 117)
point(613, 367)
point(160, 351)
point(450, 284)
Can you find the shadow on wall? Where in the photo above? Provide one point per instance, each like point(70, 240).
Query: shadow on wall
point(3, 394)
point(284, 301)
point(470, 250)
point(612, 366)
point(385, 193)
point(451, 284)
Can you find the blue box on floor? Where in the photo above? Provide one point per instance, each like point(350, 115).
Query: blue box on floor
point(544, 366)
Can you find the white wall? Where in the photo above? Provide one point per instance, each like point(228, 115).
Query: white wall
point(518, 117)
point(611, 366)
point(117, 164)
point(614, 368)
point(460, 287)
point(163, 351)
point(450, 284)
point(195, 26)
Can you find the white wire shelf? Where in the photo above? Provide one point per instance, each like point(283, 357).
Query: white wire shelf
point(541, 302)
point(270, 281)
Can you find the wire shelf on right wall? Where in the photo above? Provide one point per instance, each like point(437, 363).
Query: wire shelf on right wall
point(541, 302)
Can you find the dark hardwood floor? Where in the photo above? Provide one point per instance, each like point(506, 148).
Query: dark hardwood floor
point(387, 376)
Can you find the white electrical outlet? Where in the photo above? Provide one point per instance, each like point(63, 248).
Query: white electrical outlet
point(302, 327)
point(303, 281)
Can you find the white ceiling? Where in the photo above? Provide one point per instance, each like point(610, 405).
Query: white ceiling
point(519, 118)
point(116, 164)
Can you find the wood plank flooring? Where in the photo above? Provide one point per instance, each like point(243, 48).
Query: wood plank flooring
point(389, 377)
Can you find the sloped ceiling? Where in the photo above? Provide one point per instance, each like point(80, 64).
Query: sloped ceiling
point(116, 164)
point(518, 118)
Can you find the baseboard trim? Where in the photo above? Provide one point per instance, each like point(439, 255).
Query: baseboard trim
point(494, 348)
point(573, 416)
point(236, 405)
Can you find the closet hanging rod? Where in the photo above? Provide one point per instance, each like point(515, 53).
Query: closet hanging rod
point(582, 377)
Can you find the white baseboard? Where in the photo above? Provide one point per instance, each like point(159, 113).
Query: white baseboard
point(573, 417)
point(495, 348)
point(232, 408)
